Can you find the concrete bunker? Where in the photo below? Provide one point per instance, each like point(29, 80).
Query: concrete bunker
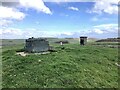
point(36, 45)
point(62, 42)
point(83, 40)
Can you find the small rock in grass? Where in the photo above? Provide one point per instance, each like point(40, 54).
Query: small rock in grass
point(16, 84)
point(10, 75)
point(117, 64)
point(39, 60)
point(15, 75)
point(85, 70)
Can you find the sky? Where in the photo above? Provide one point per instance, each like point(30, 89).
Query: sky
point(21, 19)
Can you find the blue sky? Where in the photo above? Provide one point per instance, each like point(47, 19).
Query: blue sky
point(38, 18)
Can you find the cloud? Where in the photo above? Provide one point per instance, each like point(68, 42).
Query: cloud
point(11, 13)
point(12, 31)
point(8, 14)
point(4, 22)
point(106, 26)
point(105, 6)
point(36, 4)
point(97, 18)
point(98, 31)
point(67, 33)
point(102, 31)
point(16, 33)
point(73, 8)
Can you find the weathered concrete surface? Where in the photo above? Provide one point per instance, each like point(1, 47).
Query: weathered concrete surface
point(36, 45)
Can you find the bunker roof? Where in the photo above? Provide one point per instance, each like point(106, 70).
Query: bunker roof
point(83, 37)
point(36, 39)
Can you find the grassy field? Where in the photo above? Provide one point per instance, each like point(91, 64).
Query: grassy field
point(69, 66)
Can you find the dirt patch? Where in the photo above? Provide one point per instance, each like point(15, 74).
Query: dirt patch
point(25, 54)
point(42, 53)
point(22, 54)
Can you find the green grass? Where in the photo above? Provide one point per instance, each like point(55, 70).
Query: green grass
point(107, 43)
point(72, 66)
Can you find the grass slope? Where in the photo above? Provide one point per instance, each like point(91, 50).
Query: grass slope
point(71, 66)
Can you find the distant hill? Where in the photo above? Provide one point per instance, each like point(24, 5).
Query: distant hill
point(109, 40)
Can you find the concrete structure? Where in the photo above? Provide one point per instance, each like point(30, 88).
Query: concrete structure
point(83, 40)
point(36, 45)
point(62, 42)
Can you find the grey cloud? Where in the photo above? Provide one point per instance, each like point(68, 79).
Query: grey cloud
point(9, 3)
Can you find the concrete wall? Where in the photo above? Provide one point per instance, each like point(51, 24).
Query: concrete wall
point(40, 46)
point(36, 46)
point(28, 47)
